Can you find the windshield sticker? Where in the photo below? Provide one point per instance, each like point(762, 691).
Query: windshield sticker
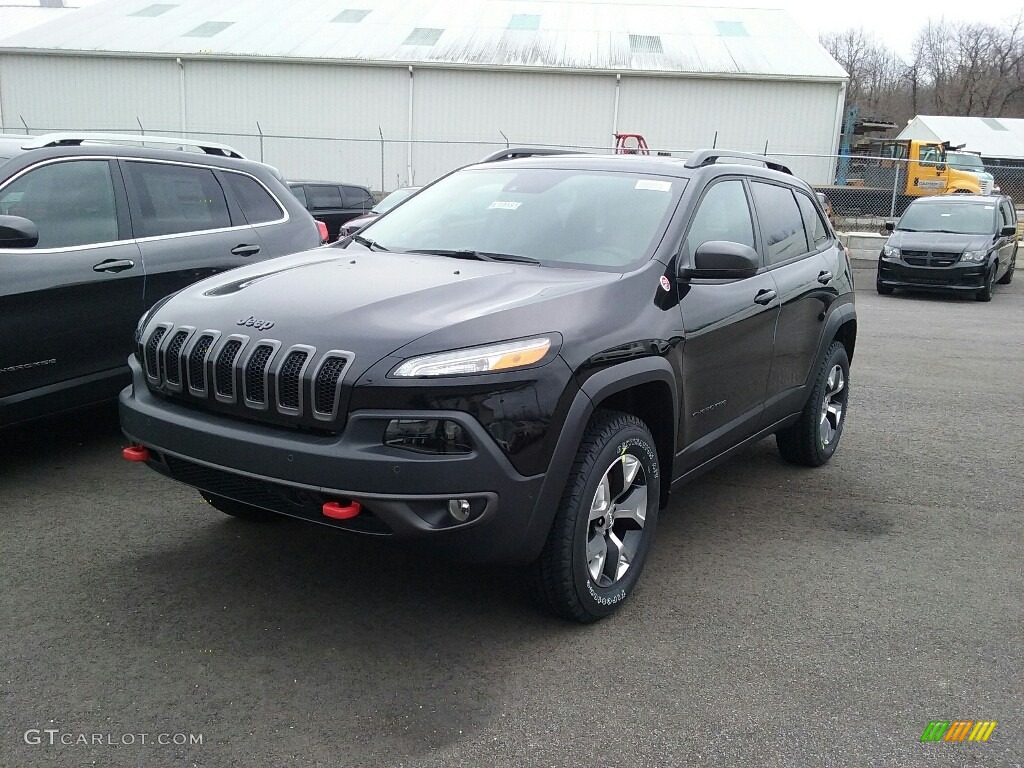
point(654, 186)
point(504, 206)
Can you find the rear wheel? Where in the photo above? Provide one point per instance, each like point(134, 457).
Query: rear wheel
point(238, 509)
point(598, 542)
point(814, 438)
point(985, 294)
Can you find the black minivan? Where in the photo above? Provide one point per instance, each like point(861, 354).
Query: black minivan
point(963, 243)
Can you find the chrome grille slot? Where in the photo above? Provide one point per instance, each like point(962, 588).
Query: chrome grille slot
point(325, 385)
point(172, 358)
point(255, 374)
point(224, 369)
point(152, 361)
point(289, 380)
point(197, 362)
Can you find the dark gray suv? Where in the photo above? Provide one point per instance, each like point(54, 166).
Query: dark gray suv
point(94, 232)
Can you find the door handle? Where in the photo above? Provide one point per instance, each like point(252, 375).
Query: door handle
point(766, 296)
point(245, 250)
point(824, 277)
point(114, 265)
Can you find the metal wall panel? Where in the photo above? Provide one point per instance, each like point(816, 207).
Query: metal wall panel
point(88, 92)
point(684, 114)
point(466, 106)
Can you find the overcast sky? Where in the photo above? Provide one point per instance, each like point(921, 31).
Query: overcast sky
point(895, 22)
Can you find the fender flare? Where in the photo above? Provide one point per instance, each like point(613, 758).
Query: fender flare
point(835, 321)
point(599, 386)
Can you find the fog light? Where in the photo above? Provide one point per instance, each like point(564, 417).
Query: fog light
point(458, 509)
point(441, 436)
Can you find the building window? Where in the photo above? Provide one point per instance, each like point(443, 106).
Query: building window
point(524, 21)
point(645, 44)
point(351, 16)
point(209, 29)
point(423, 36)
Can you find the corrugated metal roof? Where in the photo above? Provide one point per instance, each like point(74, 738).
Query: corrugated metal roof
point(992, 137)
point(18, 18)
point(585, 35)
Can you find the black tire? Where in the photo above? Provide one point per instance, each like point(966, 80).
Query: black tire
point(238, 509)
point(803, 442)
point(561, 580)
point(985, 294)
point(885, 290)
point(1008, 277)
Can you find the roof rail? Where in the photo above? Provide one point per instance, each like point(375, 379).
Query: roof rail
point(76, 139)
point(513, 153)
point(704, 157)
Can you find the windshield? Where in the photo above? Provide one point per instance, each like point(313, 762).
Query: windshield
point(965, 162)
point(394, 199)
point(961, 218)
point(596, 220)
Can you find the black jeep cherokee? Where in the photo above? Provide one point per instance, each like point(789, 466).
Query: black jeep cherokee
point(516, 365)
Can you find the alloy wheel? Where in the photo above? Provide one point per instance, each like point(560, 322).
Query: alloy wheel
point(617, 516)
point(832, 405)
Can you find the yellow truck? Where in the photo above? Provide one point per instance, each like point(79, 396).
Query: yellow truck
point(895, 173)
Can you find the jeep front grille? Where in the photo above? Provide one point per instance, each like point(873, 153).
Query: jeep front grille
point(224, 371)
point(172, 366)
point(152, 361)
point(288, 384)
point(254, 374)
point(292, 385)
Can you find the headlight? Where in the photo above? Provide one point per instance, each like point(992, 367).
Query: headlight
point(493, 357)
point(974, 256)
point(888, 252)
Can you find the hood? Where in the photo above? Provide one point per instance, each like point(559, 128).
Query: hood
point(373, 303)
point(938, 241)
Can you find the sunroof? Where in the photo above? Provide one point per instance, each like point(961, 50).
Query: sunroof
point(645, 44)
point(731, 29)
point(994, 124)
point(423, 36)
point(524, 21)
point(154, 10)
point(351, 16)
point(209, 29)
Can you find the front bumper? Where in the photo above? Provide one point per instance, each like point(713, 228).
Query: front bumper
point(959, 277)
point(291, 472)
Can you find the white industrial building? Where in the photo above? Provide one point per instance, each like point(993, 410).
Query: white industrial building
point(998, 140)
point(400, 91)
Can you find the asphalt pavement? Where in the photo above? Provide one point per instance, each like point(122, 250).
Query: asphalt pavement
point(787, 617)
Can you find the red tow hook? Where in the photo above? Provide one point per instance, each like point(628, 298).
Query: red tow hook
point(136, 453)
point(336, 511)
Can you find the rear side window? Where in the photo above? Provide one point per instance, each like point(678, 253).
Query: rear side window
point(723, 215)
point(257, 204)
point(300, 194)
point(782, 227)
point(817, 232)
point(357, 197)
point(323, 196)
point(71, 202)
point(172, 199)
point(1009, 219)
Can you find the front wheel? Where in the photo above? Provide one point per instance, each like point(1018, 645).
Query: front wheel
point(985, 294)
point(238, 509)
point(602, 531)
point(1008, 277)
point(814, 438)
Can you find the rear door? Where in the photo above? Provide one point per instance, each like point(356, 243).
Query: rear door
point(185, 227)
point(729, 326)
point(69, 305)
point(1007, 245)
point(803, 260)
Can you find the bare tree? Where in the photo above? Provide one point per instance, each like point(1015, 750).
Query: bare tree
point(878, 77)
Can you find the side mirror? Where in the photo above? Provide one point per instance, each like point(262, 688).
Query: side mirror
point(941, 167)
point(890, 226)
point(1008, 231)
point(720, 259)
point(18, 232)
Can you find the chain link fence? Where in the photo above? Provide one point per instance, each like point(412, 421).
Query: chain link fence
point(860, 192)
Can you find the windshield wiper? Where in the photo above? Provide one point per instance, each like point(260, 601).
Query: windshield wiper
point(368, 243)
point(477, 255)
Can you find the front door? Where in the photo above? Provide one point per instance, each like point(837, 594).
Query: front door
point(70, 304)
point(729, 328)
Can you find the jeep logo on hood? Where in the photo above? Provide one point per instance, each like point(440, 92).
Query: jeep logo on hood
point(252, 322)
